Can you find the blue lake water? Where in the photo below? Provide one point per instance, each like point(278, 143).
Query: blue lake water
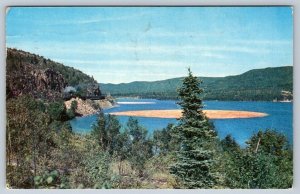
point(280, 117)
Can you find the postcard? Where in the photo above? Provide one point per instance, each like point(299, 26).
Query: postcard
point(149, 97)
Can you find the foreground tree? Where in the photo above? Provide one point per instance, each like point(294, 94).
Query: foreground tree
point(196, 157)
point(28, 139)
point(107, 131)
point(268, 161)
point(141, 146)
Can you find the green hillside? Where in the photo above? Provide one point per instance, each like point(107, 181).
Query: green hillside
point(17, 58)
point(258, 84)
point(28, 73)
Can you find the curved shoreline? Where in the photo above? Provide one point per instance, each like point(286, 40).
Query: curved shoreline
point(172, 114)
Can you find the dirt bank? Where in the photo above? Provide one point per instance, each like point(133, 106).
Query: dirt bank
point(84, 107)
point(88, 107)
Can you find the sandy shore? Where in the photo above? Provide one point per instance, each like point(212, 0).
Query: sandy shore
point(212, 114)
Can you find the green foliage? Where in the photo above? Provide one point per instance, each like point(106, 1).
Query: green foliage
point(28, 138)
point(230, 145)
point(258, 84)
point(57, 111)
point(276, 155)
point(43, 152)
point(158, 175)
point(195, 159)
point(99, 130)
point(74, 105)
point(231, 157)
point(122, 145)
point(136, 131)
point(265, 163)
point(35, 145)
point(93, 167)
point(265, 142)
point(47, 180)
point(46, 154)
point(96, 164)
point(163, 141)
point(107, 132)
point(15, 59)
point(141, 147)
point(71, 113)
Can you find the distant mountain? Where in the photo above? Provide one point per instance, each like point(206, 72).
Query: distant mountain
point(28, 73)
point(257, 84)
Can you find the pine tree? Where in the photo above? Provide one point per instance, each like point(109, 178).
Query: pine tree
point(196, 158)
point(141, 147)
point(99, 131)
point(106, 131)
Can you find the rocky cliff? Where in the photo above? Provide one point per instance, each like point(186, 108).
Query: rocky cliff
point(26, 77)
point(30, 74)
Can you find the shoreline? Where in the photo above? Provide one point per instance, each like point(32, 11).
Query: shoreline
point(87, 107)
point(175, 114)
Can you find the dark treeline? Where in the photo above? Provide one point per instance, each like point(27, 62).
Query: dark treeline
point(222, 95)
point(43, 152)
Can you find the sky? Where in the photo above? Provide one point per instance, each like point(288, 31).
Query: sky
point(125, 44)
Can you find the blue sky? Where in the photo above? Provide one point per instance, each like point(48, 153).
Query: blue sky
point(124, 44)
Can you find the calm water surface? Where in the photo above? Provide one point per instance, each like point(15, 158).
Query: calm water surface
point(280, 117)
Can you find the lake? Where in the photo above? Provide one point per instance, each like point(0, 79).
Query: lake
point(280, 117)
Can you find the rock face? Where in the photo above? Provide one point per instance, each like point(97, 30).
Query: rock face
point(88, 107)
point(32, 81)
point(84, 107)
point(93, 90)
point(30, 74)
point(26, 74)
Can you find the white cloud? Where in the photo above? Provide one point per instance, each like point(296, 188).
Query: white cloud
point(100, 18)
point(124, 63)
point(162, 33)
point(268, 42)
point(121, 64)
point(208, 51)
point(214, 55)
point(13, 36)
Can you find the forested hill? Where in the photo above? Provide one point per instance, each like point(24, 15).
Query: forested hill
point(28, 73)
point(257, 84)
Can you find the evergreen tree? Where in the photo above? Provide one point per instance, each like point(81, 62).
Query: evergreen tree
point(231, 164)
point(99, 131)
point(271, 159)
point(141, 146)
point(230, 145)
point(122, 148)
point(106, 131)
point(162, 140)
point(196, 157)
point(113, 132)
point(266, 162)
point(28, 138)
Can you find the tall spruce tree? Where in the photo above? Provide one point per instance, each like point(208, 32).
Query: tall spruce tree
point(196, 158)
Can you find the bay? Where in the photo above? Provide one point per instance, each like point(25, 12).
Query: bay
point(280, 117)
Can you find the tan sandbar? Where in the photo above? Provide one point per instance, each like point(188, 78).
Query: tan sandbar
point(212, 114)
